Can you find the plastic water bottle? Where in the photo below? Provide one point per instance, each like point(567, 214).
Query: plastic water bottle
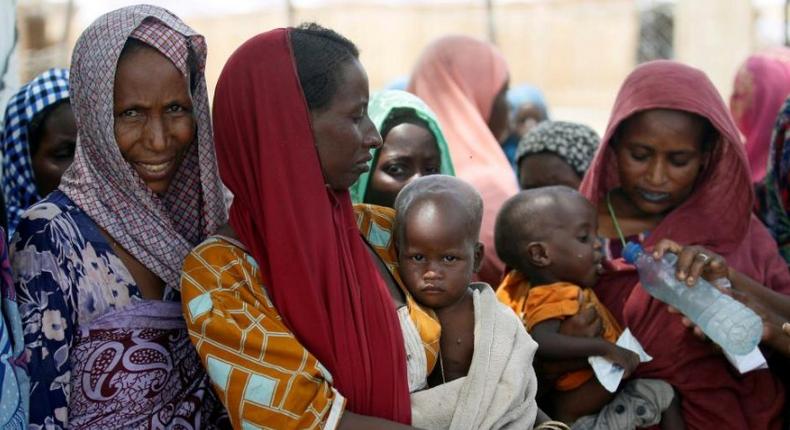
point(726, 321)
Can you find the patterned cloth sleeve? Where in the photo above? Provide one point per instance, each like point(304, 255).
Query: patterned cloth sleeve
point(262, 374)
point(48, 316)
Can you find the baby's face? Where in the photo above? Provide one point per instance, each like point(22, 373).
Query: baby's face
point(437, 255)
point(573, 245)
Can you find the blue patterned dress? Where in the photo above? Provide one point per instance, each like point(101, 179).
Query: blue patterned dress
point(66, 275)
point(13, 379)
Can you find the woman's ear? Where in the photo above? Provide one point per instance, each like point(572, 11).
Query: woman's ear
point(538, 254)
point(479, 253)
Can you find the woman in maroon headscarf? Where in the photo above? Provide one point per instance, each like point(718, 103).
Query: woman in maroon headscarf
point(288, 311)
point(671, 166)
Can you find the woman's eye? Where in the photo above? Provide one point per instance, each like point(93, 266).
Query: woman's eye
point(677, 162)
point(432, 170)
point(639, 156)
point(395, 169)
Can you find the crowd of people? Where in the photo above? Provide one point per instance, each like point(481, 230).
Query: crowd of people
point(302, 253)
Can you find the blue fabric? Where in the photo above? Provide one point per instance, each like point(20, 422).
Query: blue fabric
point(19, 185)
point(14, 383)
point(526, 93)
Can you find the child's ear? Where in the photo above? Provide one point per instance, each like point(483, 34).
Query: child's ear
point(537, 254)
point(480, 251)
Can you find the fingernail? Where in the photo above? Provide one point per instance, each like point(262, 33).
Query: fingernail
point(690, 280)
point(681, 275)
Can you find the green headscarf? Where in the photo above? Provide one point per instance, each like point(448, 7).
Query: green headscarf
point(383, 106)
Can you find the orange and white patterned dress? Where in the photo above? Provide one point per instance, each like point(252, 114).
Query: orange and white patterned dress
point(260, 371)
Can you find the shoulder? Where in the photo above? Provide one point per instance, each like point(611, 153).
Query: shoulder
point(218, 264)
point(217, 251)
point(47, 223)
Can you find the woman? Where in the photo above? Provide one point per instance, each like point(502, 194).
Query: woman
point(527, 110)
point(465, 82)
point(776, 210)
point(97, 262)
point(414, 146)
point(286, 306)
point(555, 153)
point(760, 88)
point(671, 167)
point(38, 141)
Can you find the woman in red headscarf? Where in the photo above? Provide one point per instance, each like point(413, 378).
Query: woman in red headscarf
point(671, 166)
point(286, 306)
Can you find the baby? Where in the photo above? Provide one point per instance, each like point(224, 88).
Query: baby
point(549, 237)
point(484, 376)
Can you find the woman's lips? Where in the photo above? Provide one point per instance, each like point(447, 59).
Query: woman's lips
point(155, 170)
point(653, 196)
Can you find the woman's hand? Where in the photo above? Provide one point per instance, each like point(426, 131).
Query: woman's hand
point(776, 331)
point(693, 262)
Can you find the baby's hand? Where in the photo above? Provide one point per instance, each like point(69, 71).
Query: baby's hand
point(624, 358)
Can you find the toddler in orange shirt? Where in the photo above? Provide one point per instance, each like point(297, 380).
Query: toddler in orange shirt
point(548, 236)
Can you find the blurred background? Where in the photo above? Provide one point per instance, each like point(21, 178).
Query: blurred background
point(577, 51)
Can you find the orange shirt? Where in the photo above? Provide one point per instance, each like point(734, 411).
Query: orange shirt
point(555, 301)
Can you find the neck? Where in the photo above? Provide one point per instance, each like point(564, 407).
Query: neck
point(459, 306)
point(541, 277)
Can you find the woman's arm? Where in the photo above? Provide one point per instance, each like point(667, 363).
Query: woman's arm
point(773, 307)
point(260, 371)
point(47, 302)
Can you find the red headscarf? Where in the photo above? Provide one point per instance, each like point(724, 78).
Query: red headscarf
point(761, 87)
point(718, 216)
point(459, 77)
point(304, 235)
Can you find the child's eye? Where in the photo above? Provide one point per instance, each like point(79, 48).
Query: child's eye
point(449, 259)
point(584, 239)
point(418, 257)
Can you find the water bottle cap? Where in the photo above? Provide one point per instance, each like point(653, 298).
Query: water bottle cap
point(632, 251)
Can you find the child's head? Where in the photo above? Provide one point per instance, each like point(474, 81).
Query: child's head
point(437, 224)
point(549, 234)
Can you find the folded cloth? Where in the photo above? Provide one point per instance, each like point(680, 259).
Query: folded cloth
point(499, 390)
point(639, 404)
point(139, 371)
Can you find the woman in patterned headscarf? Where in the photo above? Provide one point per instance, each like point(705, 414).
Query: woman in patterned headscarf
point(37, 141)
point(97, 262)
point(555, 153)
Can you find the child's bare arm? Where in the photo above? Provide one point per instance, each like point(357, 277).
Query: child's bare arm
point(555, 346)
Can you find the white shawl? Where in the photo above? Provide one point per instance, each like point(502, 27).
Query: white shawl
point(499, 390)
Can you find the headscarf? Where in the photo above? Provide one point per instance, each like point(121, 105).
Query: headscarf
point(717, 215)
point(387, 104)
point(159, 231)
point(459, 77)
point(776, 212)
point(523, 94)
point(761, 86)
point(19, 184)
point(303, 234)
point(574, 143)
